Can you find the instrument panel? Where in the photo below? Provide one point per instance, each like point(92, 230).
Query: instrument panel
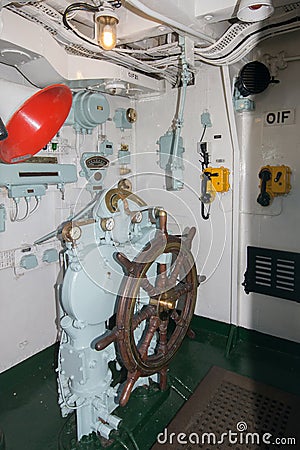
point(96, 162)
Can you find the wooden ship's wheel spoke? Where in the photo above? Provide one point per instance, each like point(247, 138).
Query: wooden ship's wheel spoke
point(154, 323)
point(142, 315)
point(175, 272)
point(147, 286)
point(148, 338)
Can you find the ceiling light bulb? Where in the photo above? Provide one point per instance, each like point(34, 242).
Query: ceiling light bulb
point(106, 21)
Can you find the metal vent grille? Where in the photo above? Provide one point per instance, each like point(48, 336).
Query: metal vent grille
point(291, 7)
point(48, 10)
point(273, 272)
point(32, 18)
point(79, 50)
point(227, 39)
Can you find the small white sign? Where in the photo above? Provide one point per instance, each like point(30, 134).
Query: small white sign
point(282, 117)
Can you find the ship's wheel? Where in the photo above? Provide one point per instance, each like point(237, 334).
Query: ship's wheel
point(165, 316)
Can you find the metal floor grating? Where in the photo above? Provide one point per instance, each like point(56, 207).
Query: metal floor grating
point(232, 405)
point(225, 402)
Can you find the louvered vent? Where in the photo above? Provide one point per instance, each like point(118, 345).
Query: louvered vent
point(273, 272)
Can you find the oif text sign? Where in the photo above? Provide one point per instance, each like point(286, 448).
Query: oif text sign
point(282, 117)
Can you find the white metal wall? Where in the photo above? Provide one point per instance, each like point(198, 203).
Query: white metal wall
point(28, 310)
point(276, 226)
point(212, 244)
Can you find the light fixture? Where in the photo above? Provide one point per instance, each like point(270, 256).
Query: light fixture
point(254, 10)
point(115, 87)
point(106, 23)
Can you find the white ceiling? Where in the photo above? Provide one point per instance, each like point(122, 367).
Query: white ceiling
point(146, 27)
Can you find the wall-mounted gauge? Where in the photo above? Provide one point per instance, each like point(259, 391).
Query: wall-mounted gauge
point(125, 184)
point(94, 167)
point(107, 224)
point(137, 218)
point(131, 115)
point(96, 162)
point(71, 232)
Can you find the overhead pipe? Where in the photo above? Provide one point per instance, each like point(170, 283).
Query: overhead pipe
point(168, 21)
point(291, 58)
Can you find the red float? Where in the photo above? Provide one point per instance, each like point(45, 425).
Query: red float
point(35, 123)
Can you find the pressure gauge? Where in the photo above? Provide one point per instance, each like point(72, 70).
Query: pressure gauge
point(107, 224)
point(131, 115)
point(125, 184)
point(137, 218)
point(71, 232)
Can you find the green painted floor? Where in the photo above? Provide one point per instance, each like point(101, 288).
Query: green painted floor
point(30, 417)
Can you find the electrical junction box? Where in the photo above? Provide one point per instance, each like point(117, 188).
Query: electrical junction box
point(124, 154)
point(121, 119)
point(105, 148)
point(50, 255)
point(219, 177)
point(29, 262)
point(29, 179)
point(166, 143)
point(31, 257)
point(89, 109)
point(205, 119)
point(26, 191)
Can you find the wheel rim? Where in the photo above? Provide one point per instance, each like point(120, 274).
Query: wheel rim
point(171, 299)
point(128, 318)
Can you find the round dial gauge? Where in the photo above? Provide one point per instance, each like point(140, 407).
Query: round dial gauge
point(71, 232)
point(107, 224)
point(137, 218)
point(131, 115)
point(75, 232)
point(125, 184)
